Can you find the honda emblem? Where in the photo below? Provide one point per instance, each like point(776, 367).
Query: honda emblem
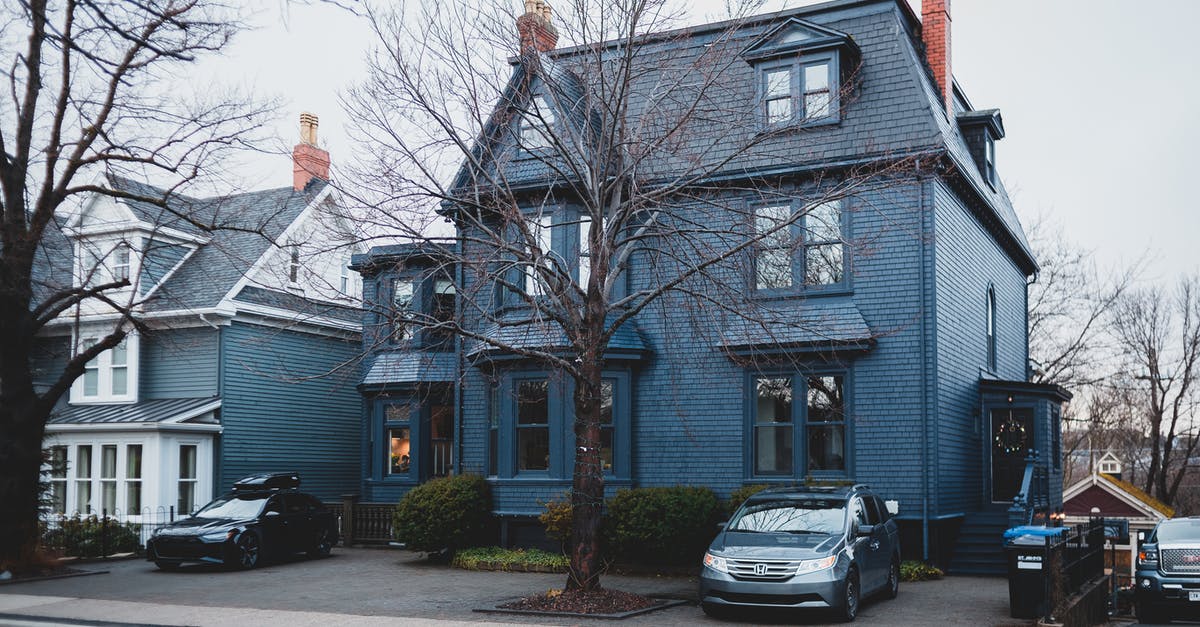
point(760, 569)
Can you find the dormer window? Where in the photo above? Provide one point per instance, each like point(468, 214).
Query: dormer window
point(981, 130)
point(120, 262)
point(989, 159)
point(798, 65)
point(536, 124)
point(799, 92)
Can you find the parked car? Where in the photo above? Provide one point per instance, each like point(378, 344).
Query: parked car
point(1168, 572)
point(264, 516)
point(803, 548)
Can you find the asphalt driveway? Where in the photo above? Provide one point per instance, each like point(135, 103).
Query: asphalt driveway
point(354, 585)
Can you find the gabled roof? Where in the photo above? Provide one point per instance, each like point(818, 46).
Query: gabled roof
point(896, 110)
point(1114, 497)
point(238, 229)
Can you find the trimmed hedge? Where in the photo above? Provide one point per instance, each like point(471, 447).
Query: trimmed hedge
point(662, 525)
point(557, 519)
point(92, 537)
point(445, 513)
point(519, 560)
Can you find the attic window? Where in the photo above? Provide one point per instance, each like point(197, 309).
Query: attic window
point(120, 263)
point(536, 124)
point(800, 91)
point(1110, 467)
point(989, 159)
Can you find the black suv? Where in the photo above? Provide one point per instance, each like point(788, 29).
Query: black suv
point(803, 547)
point(1168, 571)
point(263, 515)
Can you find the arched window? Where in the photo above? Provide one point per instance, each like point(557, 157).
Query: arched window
point(991, 328)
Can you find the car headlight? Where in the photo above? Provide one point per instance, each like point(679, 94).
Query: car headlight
point(716, 563)
point(1147, 557)
point(812, 566)
point(218, 536)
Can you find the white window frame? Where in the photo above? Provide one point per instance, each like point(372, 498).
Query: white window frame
point(194, 480)
point(104, 259)
point(536, 125)
point(103, 366)
point(541, 227)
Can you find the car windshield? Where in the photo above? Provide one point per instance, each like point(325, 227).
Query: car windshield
point(1179, 531)
point(825, 516)
point(234, 506)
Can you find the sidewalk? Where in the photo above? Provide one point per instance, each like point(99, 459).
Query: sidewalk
point(387, 587)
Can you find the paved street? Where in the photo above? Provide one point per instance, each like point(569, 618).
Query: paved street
point(376, 586)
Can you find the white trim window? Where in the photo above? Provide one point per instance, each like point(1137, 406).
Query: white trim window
point(120, 262)
point(83, 478)
point(58, 479)
point(112, 376)
point(108, 479)
point(133, 479)
point(188, 478)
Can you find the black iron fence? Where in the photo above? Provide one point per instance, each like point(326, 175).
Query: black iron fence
point(1074, 559)
point(102, 534)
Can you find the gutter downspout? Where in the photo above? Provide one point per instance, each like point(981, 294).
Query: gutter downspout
point(458, 359)
point(924, 380)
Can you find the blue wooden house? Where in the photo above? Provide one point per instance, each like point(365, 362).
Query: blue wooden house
point(891, 343)
point(250, 318)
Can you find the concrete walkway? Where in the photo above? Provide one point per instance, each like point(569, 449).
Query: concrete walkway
point(383, 587)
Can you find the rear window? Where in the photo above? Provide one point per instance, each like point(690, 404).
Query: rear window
point(826, 516)
point(1179, 531)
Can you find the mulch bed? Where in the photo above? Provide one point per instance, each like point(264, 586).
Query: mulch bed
point(602, 601)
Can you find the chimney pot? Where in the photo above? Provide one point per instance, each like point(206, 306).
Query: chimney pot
point(534, 28)
point(308, 160)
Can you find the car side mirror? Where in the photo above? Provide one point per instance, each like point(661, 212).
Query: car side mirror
point(721, 525)
point(271, 513)
point(864, 530)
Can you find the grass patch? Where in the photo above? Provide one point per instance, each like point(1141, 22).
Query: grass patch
point(519, 560)
point(918, 571)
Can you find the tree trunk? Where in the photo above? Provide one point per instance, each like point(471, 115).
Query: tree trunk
point(587, 488)
point(22, 424)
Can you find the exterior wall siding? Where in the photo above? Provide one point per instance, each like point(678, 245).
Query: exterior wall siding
point(180, 363)
point(968, 261)
point(289, 403)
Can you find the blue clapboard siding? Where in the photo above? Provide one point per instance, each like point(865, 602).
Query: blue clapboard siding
point(968, 260)
point(289, 404)
point(180, 363)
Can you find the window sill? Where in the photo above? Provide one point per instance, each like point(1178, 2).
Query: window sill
point(102, 401)
point(793, 125)
point(840, 289)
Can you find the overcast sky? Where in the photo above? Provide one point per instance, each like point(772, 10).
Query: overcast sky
point(1099, 98)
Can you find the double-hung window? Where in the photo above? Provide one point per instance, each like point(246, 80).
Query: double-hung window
point(133, 478)
point(186, 501)
point(790, 439)
point(803, 91)
point(442, 311)
point(109, 377)
point(398, 423)
point(807, 250)
point(537, 124)
point(533, 424)
point(402, 310)
point(540, 232)
point(58, 479)
point(991, 328)
point(83, 478)
point(120, 262)
point(108, 479)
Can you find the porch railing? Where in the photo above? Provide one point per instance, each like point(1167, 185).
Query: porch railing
point(1033, 499)
point(363, 523)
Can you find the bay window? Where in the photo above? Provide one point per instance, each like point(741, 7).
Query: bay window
point(533, 425)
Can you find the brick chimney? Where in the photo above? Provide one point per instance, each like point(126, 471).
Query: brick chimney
point(935, 32)
point(308, 161)
point(535, 29)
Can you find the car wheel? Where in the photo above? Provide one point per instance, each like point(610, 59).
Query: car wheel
point(163, 565)
point(893, 580)
point(850, 598)
point(248, 551)
point(322, 545)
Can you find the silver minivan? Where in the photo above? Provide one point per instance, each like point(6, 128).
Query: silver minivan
point(801, 547)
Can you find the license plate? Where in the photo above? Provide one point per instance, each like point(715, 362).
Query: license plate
point(1194, 595)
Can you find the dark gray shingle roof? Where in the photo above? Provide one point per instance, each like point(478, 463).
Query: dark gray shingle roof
point(515, 331)
point(157, 410)
point(809, 322)
point(409, 367)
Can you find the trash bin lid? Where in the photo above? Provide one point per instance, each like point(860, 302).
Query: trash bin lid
point(1040, 532)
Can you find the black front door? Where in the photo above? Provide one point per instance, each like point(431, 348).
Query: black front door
point(1012, 437)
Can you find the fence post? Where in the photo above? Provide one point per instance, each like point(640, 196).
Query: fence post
point(348, 503)
point(103, 532)
point(172, 513)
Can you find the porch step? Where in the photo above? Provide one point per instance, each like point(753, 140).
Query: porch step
point(979, 549)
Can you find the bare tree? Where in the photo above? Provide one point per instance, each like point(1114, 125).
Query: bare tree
point(639, 137)
point(94, 89)
point(1159, 336)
